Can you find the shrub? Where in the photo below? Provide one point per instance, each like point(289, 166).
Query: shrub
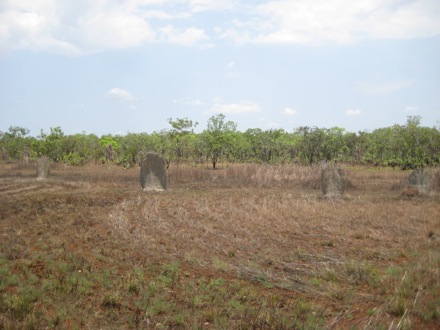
point(73, 159)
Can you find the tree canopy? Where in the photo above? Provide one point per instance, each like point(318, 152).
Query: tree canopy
point(405, 146)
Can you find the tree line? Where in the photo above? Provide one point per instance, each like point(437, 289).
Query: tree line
point(405, 146)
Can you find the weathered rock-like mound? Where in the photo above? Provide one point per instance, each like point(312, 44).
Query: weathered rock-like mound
point(26, 155)
point(436, 180)
point(421, 179)
point(333, 181)
point(153, 174)
point(43, 168)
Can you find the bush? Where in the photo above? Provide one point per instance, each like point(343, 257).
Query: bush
point(125, 161)
point(73, 159)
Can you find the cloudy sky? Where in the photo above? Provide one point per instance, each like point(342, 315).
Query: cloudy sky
point(119, 66)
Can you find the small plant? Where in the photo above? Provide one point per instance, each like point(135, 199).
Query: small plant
point(236, 305)
point(397, 307)
point(133, 287)
point(171, 270)
point(19, 306)
point(331, 275)
point(315, 281)
point(158, 306)
point(220, 265)
point(327, 243)
point(111, 300)
point(361, 272)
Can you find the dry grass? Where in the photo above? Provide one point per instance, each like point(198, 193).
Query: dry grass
point(436, 180)
point(245, 246)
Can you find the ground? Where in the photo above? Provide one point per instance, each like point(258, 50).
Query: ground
point(241, 247)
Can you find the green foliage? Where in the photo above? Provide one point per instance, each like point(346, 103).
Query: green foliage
point(182, 125)
point(320, 144)
point(125, 161)
point(271, 146)
point(73, 159)
point(13, 143)
point(106, 140)
point(218, 137)
point(406, 146)
point(80, 148)
point(17, 132)
point(51, 144)
point(180, 140)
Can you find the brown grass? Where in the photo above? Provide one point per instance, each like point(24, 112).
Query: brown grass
point(436, 180)
point(369, 259)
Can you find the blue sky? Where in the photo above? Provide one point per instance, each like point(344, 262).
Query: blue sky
point(113, 67)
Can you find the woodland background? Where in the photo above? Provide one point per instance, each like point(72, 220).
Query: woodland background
point(405, 146)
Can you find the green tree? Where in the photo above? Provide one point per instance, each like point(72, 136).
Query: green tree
point(310, 144)
point(240, 148)
point(106, 140)
point(179, 137)
point(270, 146)
point(352, 147)
point(406, 146)
point(419, 143)
point(81, 148)
point(218, 137)
point(51, 144)
point(14, 142)
point(334, 147)
point(17, 132)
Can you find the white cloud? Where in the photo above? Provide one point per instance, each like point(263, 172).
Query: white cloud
point(410, 19)
point(120, 95)
point(235, 108)
point(289, 112)
point(186, 37)
point(231, 64)
point(155, 14)
point(113, 30)
point(316, 22)
point(353, 112)
point(23, 27)
point(72, 27)
point(80, 27)
point(210, 5)
point(383, 88)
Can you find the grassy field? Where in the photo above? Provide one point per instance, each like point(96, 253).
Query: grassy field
point(241, 247)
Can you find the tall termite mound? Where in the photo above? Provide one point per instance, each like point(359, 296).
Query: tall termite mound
point(332, 181)
point(421, 179)
point(153, 173)
point(43, 168)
